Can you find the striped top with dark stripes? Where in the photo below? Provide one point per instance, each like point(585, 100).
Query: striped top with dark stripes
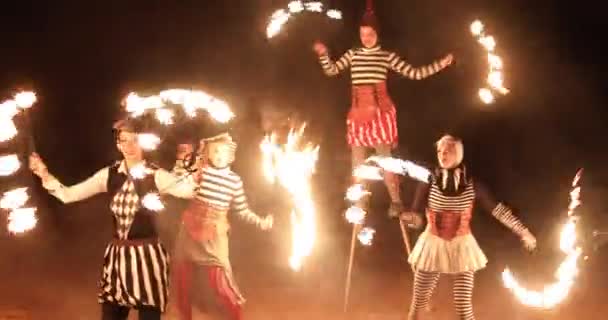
point(371, 65)
point(456, 193)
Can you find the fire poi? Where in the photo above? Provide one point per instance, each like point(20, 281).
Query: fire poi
point(282, 16)
point(20, 218)
point(494, 79)
point(292, 164)
point(554, 293)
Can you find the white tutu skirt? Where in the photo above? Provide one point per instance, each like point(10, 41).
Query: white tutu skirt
point(434, 254)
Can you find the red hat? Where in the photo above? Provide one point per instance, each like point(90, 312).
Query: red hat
point(369, 17)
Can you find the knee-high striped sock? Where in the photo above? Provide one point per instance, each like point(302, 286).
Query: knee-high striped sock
point(424, 285)
point(463, 295)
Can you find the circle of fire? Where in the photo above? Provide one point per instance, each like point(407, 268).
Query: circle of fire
point(281, 16)
point(20, 219)
point(556, 292)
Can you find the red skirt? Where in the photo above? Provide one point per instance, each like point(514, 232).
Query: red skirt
point(372, 119)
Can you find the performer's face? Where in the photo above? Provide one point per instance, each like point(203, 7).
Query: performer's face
point(129, 146)
point(221, 154)
point(447, 155)
point(369, 37)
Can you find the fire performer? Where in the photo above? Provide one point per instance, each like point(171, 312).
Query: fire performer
point(135, 269)
point(371, 121)
point(447, 246)
point(202, 242)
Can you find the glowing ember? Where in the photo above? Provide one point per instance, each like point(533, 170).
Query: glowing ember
point(495, 64)
point(164, 116)
point(366, 236)
point(281, 16)
point(22, 220)
point(25, 100)
point(292, 165)
point(356, 192)
point(486, 95)
point(355, 215)
point(7, 129)
point(9, 165)
point(14, 199)
point(152, 202)
point(148, 141)
point(140, 171)
point(556, 292)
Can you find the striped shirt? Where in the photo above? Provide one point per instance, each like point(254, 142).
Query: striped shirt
point(371, 65)
point(457, 193)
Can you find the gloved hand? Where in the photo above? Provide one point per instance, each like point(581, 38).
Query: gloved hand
point(528, 240)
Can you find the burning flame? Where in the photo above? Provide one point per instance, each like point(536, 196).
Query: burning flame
point(292, 165)
point(14, 199)
point(495, 64)
point(190, 100)
point(148, 141)
point(281, 16)
point(555, 293)
point(402, 167)
point(22, 220)
point(19, 219)
point(140, 171)
point(356, 192)
point(366, 236)
point(9, 165)
point(152, 202)
point(355, 215)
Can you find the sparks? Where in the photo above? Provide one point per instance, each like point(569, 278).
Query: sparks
point(355, 215)
point(22, 220)
point(25, 99)
point(556, 292)
point(486, 95)
point(8, 130)
point(292, 165)
point(140, 171)
point(281, 17)
point(356, 192)
point(402, 167)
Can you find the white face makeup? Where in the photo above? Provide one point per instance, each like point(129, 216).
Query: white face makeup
point(369, 36)
point(221, 154)
point(449, 153)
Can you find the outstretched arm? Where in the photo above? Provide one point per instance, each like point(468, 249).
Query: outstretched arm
point(93, 185)
point(402, 67)
point(503, 214)
point(241, 208)
point(331, 68)
point(178, 186)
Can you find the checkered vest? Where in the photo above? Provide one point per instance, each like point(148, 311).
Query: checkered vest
point(131, 219)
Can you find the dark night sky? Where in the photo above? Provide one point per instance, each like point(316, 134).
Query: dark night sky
point(83, 57)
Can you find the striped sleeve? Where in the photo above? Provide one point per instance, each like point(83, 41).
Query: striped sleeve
point(499, 211)
point(240, 207)
point(331, 68)
point(400, 66)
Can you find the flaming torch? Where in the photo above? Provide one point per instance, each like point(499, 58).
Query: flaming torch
point(281, 16)
point(554, 293)
point(292, 165)
point(495, 65)
point(19, 219)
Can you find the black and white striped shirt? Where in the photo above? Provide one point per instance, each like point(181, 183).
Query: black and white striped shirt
point(448, 191)
point(222, 188)
point(371, 65)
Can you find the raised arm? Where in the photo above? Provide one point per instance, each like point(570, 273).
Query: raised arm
point(331, 68)
point(402, 67)
point(241, 208)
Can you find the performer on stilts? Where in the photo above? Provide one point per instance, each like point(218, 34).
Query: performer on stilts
point(447, 246)
point(372, 120)
point(135, 272)
point(202, 242)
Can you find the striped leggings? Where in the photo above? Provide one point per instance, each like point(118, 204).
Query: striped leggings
point(425, 283)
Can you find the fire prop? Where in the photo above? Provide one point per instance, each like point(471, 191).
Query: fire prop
point(555, 293)
point(162, 106)
point(281, 16)
point(292, 165)
point(20, 219)
point(495, 65)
